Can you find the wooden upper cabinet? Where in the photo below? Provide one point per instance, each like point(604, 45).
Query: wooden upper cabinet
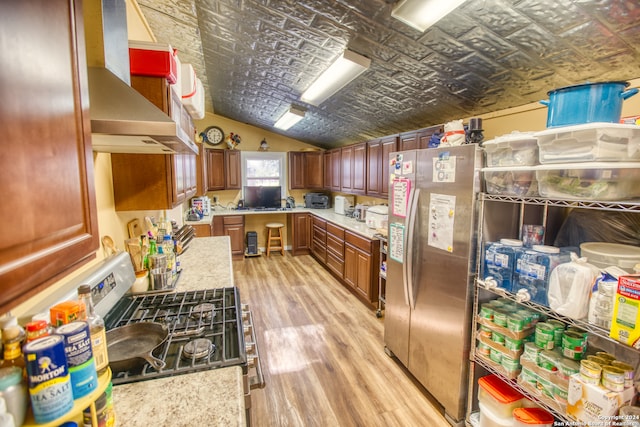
point(202, 175)
point(224, 170)
point(327, 170)
point(156, 181)
point(346, 179)
point(378, 164)
point(408, 141)
point(214, 161)
point(354, 168)
point(424, 135)
point(306, 170)
point(232, 170)
point(46, 168)
point(336, 169)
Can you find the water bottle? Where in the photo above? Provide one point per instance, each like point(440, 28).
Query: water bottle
point(500, 261)
point(534, 270)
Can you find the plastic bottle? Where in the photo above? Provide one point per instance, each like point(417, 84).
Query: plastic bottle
point(167, 249)
point(13, 336)
point(503, 257)
point(534, 269)
point(96, 329)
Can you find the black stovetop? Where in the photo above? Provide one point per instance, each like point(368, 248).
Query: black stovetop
point(211, 316)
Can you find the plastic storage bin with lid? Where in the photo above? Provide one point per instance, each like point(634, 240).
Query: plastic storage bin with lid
point(589, 181)
point(590, 142)
point(517, 181)
point(514, 149)
point(498, 397)
point(532, 417)
point(603, 255)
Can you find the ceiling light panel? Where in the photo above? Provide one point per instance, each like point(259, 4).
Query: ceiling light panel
point(422, 14)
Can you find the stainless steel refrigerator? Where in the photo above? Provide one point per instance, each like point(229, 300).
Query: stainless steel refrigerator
point(430, 267)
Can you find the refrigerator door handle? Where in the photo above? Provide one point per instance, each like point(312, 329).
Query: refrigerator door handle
point(410, 296)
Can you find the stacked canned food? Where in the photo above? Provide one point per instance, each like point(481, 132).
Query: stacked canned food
point(504, 328)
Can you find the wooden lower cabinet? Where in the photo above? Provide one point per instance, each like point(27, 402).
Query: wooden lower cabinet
point(203, 230)
point(232, 226)
point(352, 258)
point(300, 237)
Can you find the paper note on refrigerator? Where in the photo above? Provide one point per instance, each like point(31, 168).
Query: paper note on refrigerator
point(396, 242)
point(400, 196)
point(442, 213)
point(444, 168)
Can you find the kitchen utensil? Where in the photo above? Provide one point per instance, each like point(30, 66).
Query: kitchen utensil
point(135, 252)
point(159, 278)
point(587, 103)
point(149, 225)
point(134, 228)
point(109, 246)
point(132, 344)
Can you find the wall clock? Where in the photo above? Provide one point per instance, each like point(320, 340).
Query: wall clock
point(213, 135)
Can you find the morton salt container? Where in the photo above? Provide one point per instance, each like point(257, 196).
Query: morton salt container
point(82, 366)
point(48, 378)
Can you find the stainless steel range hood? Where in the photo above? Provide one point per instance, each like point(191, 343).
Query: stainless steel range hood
point(122, 120)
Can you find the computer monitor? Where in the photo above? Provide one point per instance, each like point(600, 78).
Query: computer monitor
point(262, 197)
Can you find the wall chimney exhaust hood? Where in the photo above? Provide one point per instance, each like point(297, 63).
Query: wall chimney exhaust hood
point(122, 119)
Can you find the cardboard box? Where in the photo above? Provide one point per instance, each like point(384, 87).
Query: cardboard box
point(625, 324)
point(596, 405)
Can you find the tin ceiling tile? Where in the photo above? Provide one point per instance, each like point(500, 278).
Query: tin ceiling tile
point(255, 57)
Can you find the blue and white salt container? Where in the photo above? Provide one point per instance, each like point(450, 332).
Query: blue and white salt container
point(48, 378)
point(82, 366)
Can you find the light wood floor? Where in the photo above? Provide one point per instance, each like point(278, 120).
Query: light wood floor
point(322, 352)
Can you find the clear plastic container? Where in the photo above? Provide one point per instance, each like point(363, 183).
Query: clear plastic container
point(514, 149)
point(499, 397)
point(510, 181)
point(590, 142)
point(489, 418)
point(533, 271)
point(589, 181)
point(604, 255)
point(500, 261)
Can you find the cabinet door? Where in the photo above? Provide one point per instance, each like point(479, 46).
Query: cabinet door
point(46, 168)
point(201, 171)
point(300, 233)
point(236, 234)
point(179, 182)
point(374, 154)
point(336, 169)
point(389, 145)
point(424, 135)
point(327, 176)
point(363, 267)
point(296, 170)
point(191, 181)
point(408, 141)
point(215, 169)
point(359, 168)
point(313, 170)
point(350, 275)
point(203, 230)
point(346, 180)
point(233, 170)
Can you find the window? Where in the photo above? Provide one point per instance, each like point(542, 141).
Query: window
point(260, 169)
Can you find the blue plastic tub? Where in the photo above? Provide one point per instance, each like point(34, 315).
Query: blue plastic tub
point(587, 103)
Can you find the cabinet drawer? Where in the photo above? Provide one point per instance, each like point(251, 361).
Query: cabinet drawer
point(320, 223)
point(335, 245)
point(335, 264)
point(319, 234)
point(232, 219)
point(359, 242)
point(335, 230)
point(319, 250)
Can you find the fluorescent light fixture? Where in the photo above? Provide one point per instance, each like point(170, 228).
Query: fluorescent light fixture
point(421, 14)
point(290, 118)
point(347, 67)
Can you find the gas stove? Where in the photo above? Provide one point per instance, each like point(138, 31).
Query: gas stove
point(205, 331)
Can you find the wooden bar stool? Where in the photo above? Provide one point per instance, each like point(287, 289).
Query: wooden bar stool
point(274, 238)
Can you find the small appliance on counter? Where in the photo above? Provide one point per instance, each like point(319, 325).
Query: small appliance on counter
point(202, 203)
point(360, 212)
point(342, 204)
point(316, 201)
point(377, 216)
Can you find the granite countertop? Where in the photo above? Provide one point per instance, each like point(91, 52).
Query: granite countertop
point(208, 398)
point(326, 214)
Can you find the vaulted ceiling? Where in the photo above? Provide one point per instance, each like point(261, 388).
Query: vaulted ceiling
point(256, 57)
